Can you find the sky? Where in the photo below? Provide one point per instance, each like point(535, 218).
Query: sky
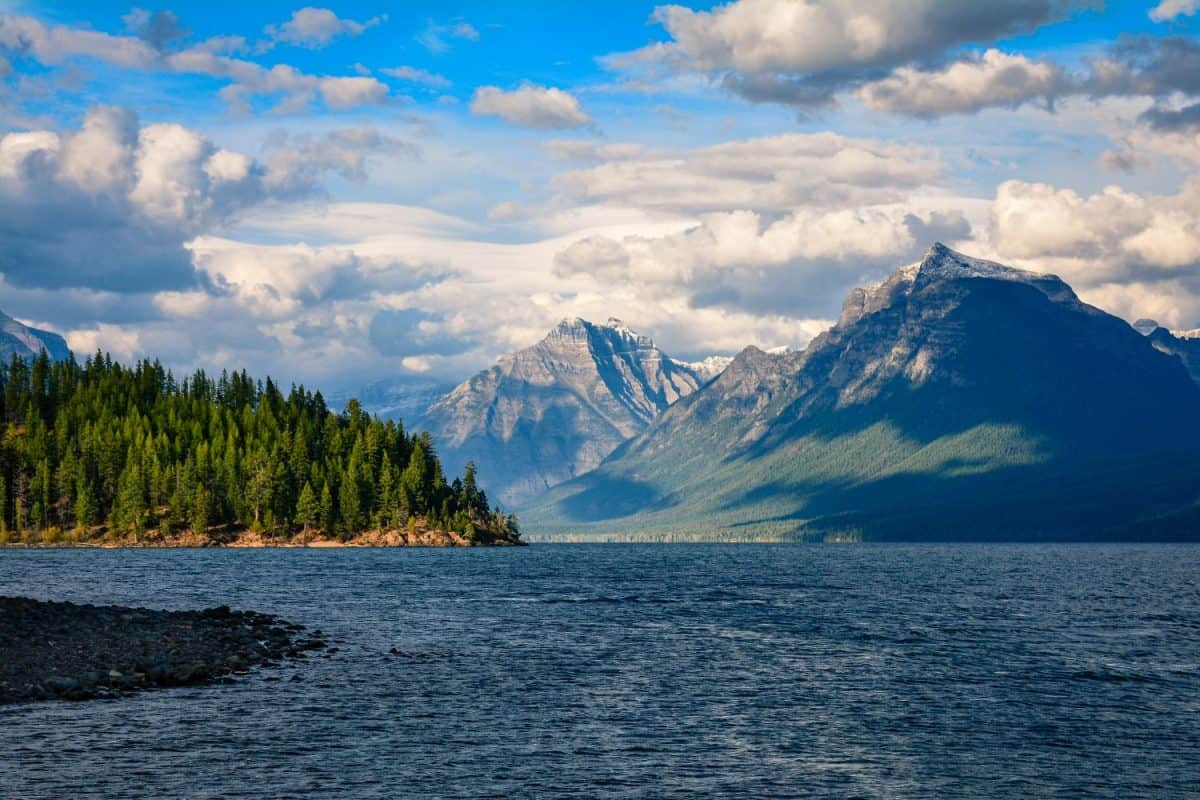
point(348, 192)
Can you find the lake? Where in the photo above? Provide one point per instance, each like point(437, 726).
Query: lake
point(631, 671)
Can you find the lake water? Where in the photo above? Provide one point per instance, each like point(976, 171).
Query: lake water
point(606, 671)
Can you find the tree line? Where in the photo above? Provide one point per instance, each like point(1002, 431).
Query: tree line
point(98, 447)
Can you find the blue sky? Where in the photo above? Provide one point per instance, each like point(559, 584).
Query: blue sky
point(267, 184)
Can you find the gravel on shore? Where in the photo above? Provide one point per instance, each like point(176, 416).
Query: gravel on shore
point(66, 651)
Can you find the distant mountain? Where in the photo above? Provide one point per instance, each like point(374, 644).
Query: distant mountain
point(1184, 344)
point(555, 410)
point(403, 400)
point(958, 399)
point(708, 368)
point(27, 342)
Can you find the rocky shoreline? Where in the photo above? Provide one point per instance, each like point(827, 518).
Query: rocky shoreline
point(65, 651)
point(241, 537)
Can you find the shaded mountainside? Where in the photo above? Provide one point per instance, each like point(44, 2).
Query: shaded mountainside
point(26, 342)
point(555, 410)
point(1183, 344)
point(959, 399)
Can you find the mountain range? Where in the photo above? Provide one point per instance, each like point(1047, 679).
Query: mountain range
point(553, 411)
point(21, 340)
point(958, 399)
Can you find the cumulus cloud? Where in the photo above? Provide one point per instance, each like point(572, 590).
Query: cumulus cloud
point(315, 28)
point(768, 173)
point(993, 79)
point(292, 89)
point(804, 53)
point(1149, 244)
point(415, 75)
point(797, 264)
point(112, 205)
point(1170, 9)
point(531, 106)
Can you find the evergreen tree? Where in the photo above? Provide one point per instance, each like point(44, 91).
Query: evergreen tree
point(201, 509)
point(81, 444)
point(308, 511)
point(87, 512)
point(326, 507)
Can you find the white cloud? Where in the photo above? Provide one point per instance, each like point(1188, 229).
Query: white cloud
point(797, 264)
point(531, 106)
point(415, 75)
point(1137, 254)
point(994, 79)
point(112, 205)
point(318, 27)
point(434, 37)
point(768, 173)
point(1170, 9)
point(592, 151)
point(805, 52)
point(293, 89)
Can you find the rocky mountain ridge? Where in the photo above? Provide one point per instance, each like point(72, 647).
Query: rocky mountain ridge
point(958, 398)
point(19, 339)
point(554, 410)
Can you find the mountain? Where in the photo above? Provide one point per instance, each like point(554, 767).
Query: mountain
point(394, 399)
point(708, 368)
point(1183, 344)
point(555, 410)
point(28, 342)
point(958, 399)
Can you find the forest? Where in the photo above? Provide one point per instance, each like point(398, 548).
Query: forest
point(100, 450)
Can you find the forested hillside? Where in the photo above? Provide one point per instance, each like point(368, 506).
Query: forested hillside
point(98, 450)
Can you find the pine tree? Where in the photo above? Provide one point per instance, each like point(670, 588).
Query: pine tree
point(87, 512)
point(349, 505)
point(201, 509)
point(326, 508)
point(85, 443)
point(130, 510)
point(308, 511)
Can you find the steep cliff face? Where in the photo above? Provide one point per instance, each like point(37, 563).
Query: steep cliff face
point(958, 398)
point(27, 342)
point(555, 410)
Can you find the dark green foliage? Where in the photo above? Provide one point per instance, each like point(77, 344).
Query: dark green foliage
point(133, 449)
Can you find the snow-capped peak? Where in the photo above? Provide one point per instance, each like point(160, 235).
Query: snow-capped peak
point(707, 368)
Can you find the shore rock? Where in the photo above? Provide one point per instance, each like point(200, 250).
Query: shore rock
point(80, 652)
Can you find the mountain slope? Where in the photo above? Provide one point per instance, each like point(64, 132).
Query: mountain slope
point(555, 410)
point(957, 399)
point(28, 342)
point(403, 400)
point(1184, 344)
